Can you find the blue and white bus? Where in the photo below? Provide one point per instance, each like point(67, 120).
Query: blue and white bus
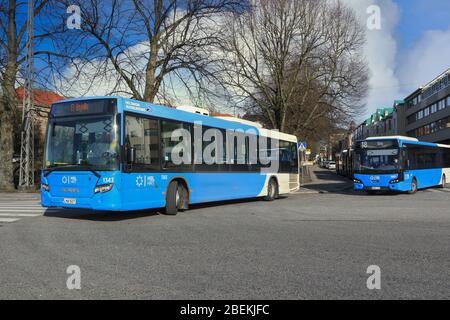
point(400, 164)
point(118, 154)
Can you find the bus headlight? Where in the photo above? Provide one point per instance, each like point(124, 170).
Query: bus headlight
point(394, 181)
point(45, 187)
point(357, 181)
point(103, 188)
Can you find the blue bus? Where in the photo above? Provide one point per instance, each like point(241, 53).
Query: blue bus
point(401, 164)
point(117, 154)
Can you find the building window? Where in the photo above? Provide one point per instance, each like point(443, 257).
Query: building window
point(420, 115)
point(434, 108)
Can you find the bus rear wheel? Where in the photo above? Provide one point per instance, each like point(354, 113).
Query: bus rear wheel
point(413, 187)
point(272, 190)
point(444, 182)
point(174, 198)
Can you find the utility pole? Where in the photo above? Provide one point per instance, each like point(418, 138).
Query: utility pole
point(26, 177)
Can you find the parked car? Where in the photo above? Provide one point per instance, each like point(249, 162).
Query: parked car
point(331, 165)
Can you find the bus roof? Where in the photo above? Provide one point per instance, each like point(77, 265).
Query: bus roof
point(393, 138)
point(409, 140)
point(181, 115)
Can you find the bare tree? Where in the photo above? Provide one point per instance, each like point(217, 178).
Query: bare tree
point(12, 47)
point(295, 62)
point(146, 48)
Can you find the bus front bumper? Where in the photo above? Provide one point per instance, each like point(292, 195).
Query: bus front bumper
point(102, 202)
point(400, 186)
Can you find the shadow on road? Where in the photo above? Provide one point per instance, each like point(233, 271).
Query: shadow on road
point(113, 216)
point(326, 181)
point(105, 216)
point(330, 176)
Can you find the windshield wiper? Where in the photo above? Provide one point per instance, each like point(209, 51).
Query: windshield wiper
point(88, 167)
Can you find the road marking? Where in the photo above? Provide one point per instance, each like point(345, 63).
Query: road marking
point(8, 220)
point(438, 190)
point(21, 210)
point(14, 209)
point(20, 214)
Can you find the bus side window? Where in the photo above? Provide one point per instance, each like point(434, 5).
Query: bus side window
point(405, 159)
point(142, 135)
point(183, 132)
point(294, 158)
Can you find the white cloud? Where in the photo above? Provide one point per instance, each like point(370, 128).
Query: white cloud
point(381, 52)
point(426, 59)
point(395, 74)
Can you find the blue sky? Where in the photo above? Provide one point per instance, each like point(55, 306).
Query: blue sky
point(411, 48)
point(418, 16)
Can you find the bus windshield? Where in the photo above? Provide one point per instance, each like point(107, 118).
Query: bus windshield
point(78, 140)
point(370, 159)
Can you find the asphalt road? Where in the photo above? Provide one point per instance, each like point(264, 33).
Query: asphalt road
point(307, 246)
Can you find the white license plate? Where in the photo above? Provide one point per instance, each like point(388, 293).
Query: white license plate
point(70, 201)
point(376, 188)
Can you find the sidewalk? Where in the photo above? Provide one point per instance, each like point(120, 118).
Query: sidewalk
point(326, 181)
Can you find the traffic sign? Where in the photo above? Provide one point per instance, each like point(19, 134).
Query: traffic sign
point(302, 146)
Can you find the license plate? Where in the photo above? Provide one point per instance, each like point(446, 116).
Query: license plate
point(376, 188)
point(70, 201)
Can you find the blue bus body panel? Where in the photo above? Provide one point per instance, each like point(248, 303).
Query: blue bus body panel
point(376, 180)
point(425, 178)
point(147, 190)
point(79, 185)
point(135, 191)
point(381, 181)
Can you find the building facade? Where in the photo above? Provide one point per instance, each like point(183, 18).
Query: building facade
point(42, 100)
point(380, 123)
point(427, 114)
point(399, 118)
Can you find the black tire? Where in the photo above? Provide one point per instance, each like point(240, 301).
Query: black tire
point(413, 186)
point(173, 198)
point(272, 190)
point(444, 182)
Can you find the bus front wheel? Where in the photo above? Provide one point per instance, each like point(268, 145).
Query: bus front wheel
point(413, 187)
point(174, 198)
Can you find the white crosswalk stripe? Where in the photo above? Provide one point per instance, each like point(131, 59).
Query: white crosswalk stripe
point(16, 206)
point(438, 190)
point(8, 220)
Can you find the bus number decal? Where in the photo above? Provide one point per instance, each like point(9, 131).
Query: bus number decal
point(108, 180)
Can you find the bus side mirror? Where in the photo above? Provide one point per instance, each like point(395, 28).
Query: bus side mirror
point(131, 155)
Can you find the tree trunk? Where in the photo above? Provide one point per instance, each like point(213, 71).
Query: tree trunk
point(150, 79)
point(8, 110)
point(6, 150)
